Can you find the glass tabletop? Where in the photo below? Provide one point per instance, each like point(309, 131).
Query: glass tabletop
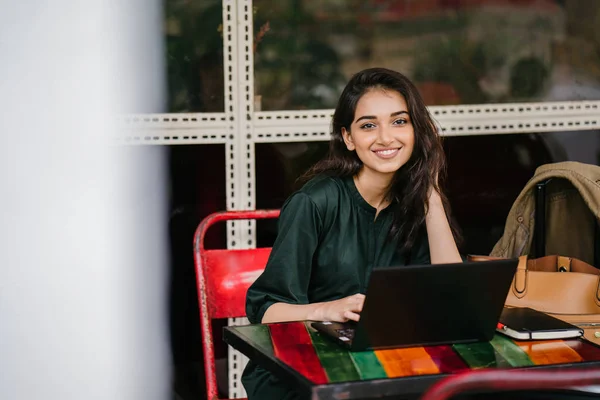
point(298, 351)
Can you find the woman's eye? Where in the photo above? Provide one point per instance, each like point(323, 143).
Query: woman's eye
point(400, 121)
point(368, 125)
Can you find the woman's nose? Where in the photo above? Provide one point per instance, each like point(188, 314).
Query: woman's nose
point(385, 135)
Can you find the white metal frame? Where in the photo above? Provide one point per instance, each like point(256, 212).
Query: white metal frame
point(239, 128)
point(189, 128)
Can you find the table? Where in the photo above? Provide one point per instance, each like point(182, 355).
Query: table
point(324, 370)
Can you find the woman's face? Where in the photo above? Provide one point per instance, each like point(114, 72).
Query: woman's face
point(381, 133)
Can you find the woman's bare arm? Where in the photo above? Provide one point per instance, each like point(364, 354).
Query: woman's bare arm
point(442, 247)
point(340, 310)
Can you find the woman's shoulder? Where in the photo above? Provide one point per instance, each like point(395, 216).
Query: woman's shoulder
point(321, 191)
point(323, 187)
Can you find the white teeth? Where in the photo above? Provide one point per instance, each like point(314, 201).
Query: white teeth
point(387, 152)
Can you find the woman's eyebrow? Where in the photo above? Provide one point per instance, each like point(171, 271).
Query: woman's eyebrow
point(374, 117)
point(366, 117)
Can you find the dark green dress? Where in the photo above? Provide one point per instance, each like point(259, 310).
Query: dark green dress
point(327, 244)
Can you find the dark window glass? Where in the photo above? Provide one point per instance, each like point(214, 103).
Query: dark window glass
point(194, 194)
point(278, 166)
point(485, 175)
point(456, 51)
point(194, 51)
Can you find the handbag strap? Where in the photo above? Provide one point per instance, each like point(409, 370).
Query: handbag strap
point(597, 245)
point(520, 279)
point(539, 231)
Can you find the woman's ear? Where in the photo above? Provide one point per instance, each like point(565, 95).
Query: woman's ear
point(348, 139)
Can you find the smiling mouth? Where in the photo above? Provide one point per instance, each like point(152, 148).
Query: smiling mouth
point(387, 153)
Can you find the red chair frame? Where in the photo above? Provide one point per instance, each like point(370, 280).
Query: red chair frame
point(511, 380)
point(222, 279)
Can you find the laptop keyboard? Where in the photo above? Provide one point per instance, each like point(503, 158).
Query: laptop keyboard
point(346, 332)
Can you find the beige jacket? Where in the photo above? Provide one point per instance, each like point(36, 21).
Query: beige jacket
point(572, 209)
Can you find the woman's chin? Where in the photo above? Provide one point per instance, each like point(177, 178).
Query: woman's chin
point(391, 168)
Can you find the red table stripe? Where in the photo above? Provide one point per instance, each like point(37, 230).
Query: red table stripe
point(446, 359)
point(293, 346)
point(587, 351)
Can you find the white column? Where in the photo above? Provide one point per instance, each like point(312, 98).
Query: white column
point(82, 223)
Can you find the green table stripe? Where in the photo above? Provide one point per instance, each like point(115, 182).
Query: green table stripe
point(515, 356)
point(260, 336)
point(368, 365)
point(336, 361)
point(480, 355)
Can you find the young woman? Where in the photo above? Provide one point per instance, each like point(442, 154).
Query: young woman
point(375, 201)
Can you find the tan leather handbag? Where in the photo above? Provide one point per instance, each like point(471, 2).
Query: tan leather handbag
point(564, 287)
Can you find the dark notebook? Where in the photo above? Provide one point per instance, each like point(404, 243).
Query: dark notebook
point(529, 324)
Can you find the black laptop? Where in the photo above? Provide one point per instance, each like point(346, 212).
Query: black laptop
point(427, 305)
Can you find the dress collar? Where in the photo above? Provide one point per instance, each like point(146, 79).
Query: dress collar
point(351, 186)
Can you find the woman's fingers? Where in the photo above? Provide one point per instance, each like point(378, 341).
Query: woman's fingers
point(344, 309)
point(349, 315)
point(361, 300)
point(359, 306)
point(357, 302)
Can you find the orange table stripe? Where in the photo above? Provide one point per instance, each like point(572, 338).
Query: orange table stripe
point(406, 362)
point(549, 352)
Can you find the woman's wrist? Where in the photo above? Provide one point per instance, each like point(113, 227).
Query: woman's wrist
point(283, 312)
point(315, 312)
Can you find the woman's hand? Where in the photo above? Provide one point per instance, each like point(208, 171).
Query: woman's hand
point(340, 310)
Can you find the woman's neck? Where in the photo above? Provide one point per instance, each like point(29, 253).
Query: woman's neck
point(373, 187)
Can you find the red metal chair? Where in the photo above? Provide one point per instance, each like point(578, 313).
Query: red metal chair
point(223, 277)
point(511, 380)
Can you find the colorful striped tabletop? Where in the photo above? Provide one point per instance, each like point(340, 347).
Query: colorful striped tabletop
point(320, 361)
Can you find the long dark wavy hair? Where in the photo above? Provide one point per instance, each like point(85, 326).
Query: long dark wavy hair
point(409, 190)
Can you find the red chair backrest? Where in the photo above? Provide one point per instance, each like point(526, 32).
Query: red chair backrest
point(228, 274)
point(223, 278)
